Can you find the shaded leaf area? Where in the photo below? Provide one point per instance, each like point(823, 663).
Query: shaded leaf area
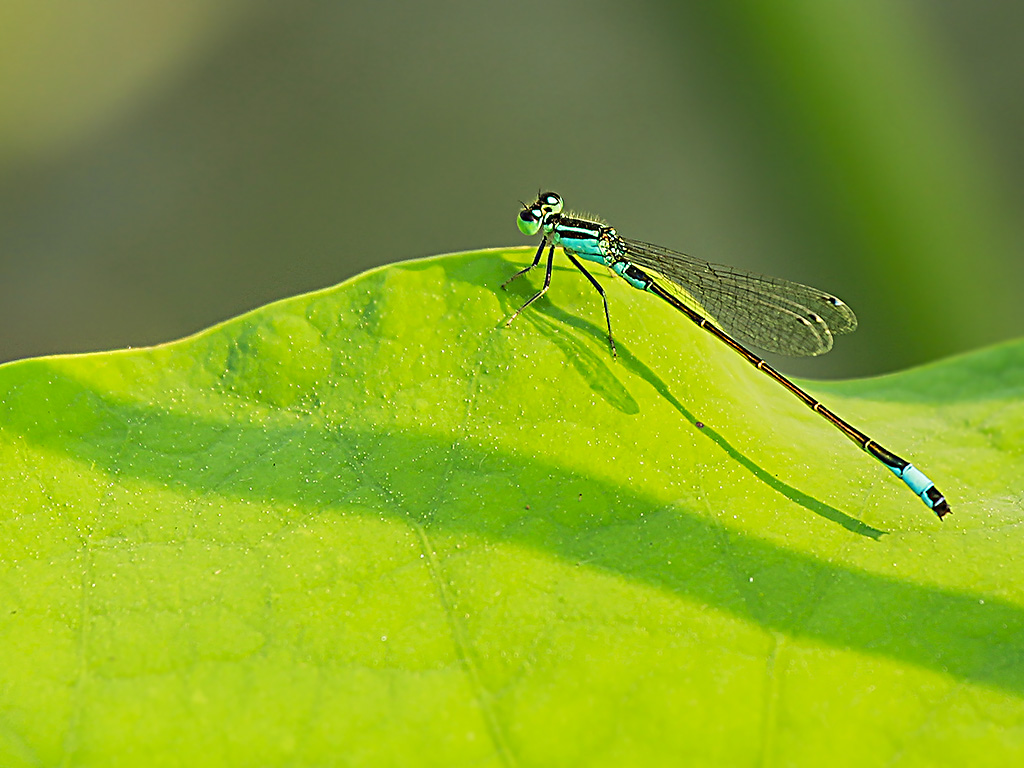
point(371, 526)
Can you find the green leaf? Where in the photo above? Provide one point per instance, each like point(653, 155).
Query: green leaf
point(373, 526)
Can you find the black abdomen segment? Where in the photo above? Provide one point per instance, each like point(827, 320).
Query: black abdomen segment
point(903, 469)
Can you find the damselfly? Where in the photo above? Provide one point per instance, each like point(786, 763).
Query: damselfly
point(766, 312)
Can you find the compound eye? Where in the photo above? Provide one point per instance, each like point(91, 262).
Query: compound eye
point(529, 220)
point(551, 201)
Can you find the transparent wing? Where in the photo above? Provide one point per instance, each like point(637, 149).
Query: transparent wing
point(766, 312)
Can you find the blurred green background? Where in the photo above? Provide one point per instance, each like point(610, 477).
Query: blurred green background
point(166, 165)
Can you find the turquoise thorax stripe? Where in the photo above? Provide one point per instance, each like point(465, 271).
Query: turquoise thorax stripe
point(580, 240)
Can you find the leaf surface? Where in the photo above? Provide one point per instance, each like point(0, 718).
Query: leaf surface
point(372, 526)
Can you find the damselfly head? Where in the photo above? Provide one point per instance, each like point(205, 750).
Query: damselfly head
point(533, 216)
point(530, 219)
